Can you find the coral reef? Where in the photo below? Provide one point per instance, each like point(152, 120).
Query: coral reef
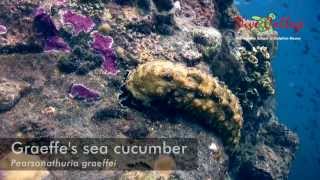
point(257, 63)
point(189, 89)
point(174, 52)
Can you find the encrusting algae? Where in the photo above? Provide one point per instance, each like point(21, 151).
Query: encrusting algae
point(192, 90)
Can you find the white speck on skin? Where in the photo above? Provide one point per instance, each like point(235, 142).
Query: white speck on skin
point(213, 147)
point(3, 29)
point(177, 6)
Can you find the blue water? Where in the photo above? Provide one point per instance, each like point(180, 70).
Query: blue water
point(296, 69)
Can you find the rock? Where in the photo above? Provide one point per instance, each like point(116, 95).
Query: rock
point(137, 130)
point(276, 134)
point(165, 23)
point(144, 4)
point(10, 93)
point(164, 5)
point(141, 175)
point(264, 165)
point(108, 113)
point(272, 159)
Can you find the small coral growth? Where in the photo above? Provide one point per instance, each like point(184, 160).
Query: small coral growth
point(80, 61)
point(258, 84)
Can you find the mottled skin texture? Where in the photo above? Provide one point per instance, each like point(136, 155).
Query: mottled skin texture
point(192, 90)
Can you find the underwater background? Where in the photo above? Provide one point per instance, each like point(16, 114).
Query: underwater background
point(296, 70)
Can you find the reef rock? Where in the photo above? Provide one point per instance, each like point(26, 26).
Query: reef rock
point(140, 175)
point(10, 93)
point(189, 89)
point(270, 156)
point(264, 164)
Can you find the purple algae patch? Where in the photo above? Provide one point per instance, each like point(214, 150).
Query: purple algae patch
point(78, 22)
point(60, 2)
point(44, 24)
point(81, 92)
point(101, 42)
point(109, 61)
point(3, 29)
point(56, 43)
point(48, 32)
point(103, 45)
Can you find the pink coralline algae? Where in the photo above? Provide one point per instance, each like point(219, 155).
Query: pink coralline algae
point(103, 45)
point(101, 42)
point(3, 29)
point(48, 32)
point(60, 2)
point(81, 92)
point(78, 22)
point(56, 43)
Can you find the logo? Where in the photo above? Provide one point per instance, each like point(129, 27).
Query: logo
point(268, 23)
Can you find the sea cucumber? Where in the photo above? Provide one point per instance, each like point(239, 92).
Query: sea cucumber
point(192, 90)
